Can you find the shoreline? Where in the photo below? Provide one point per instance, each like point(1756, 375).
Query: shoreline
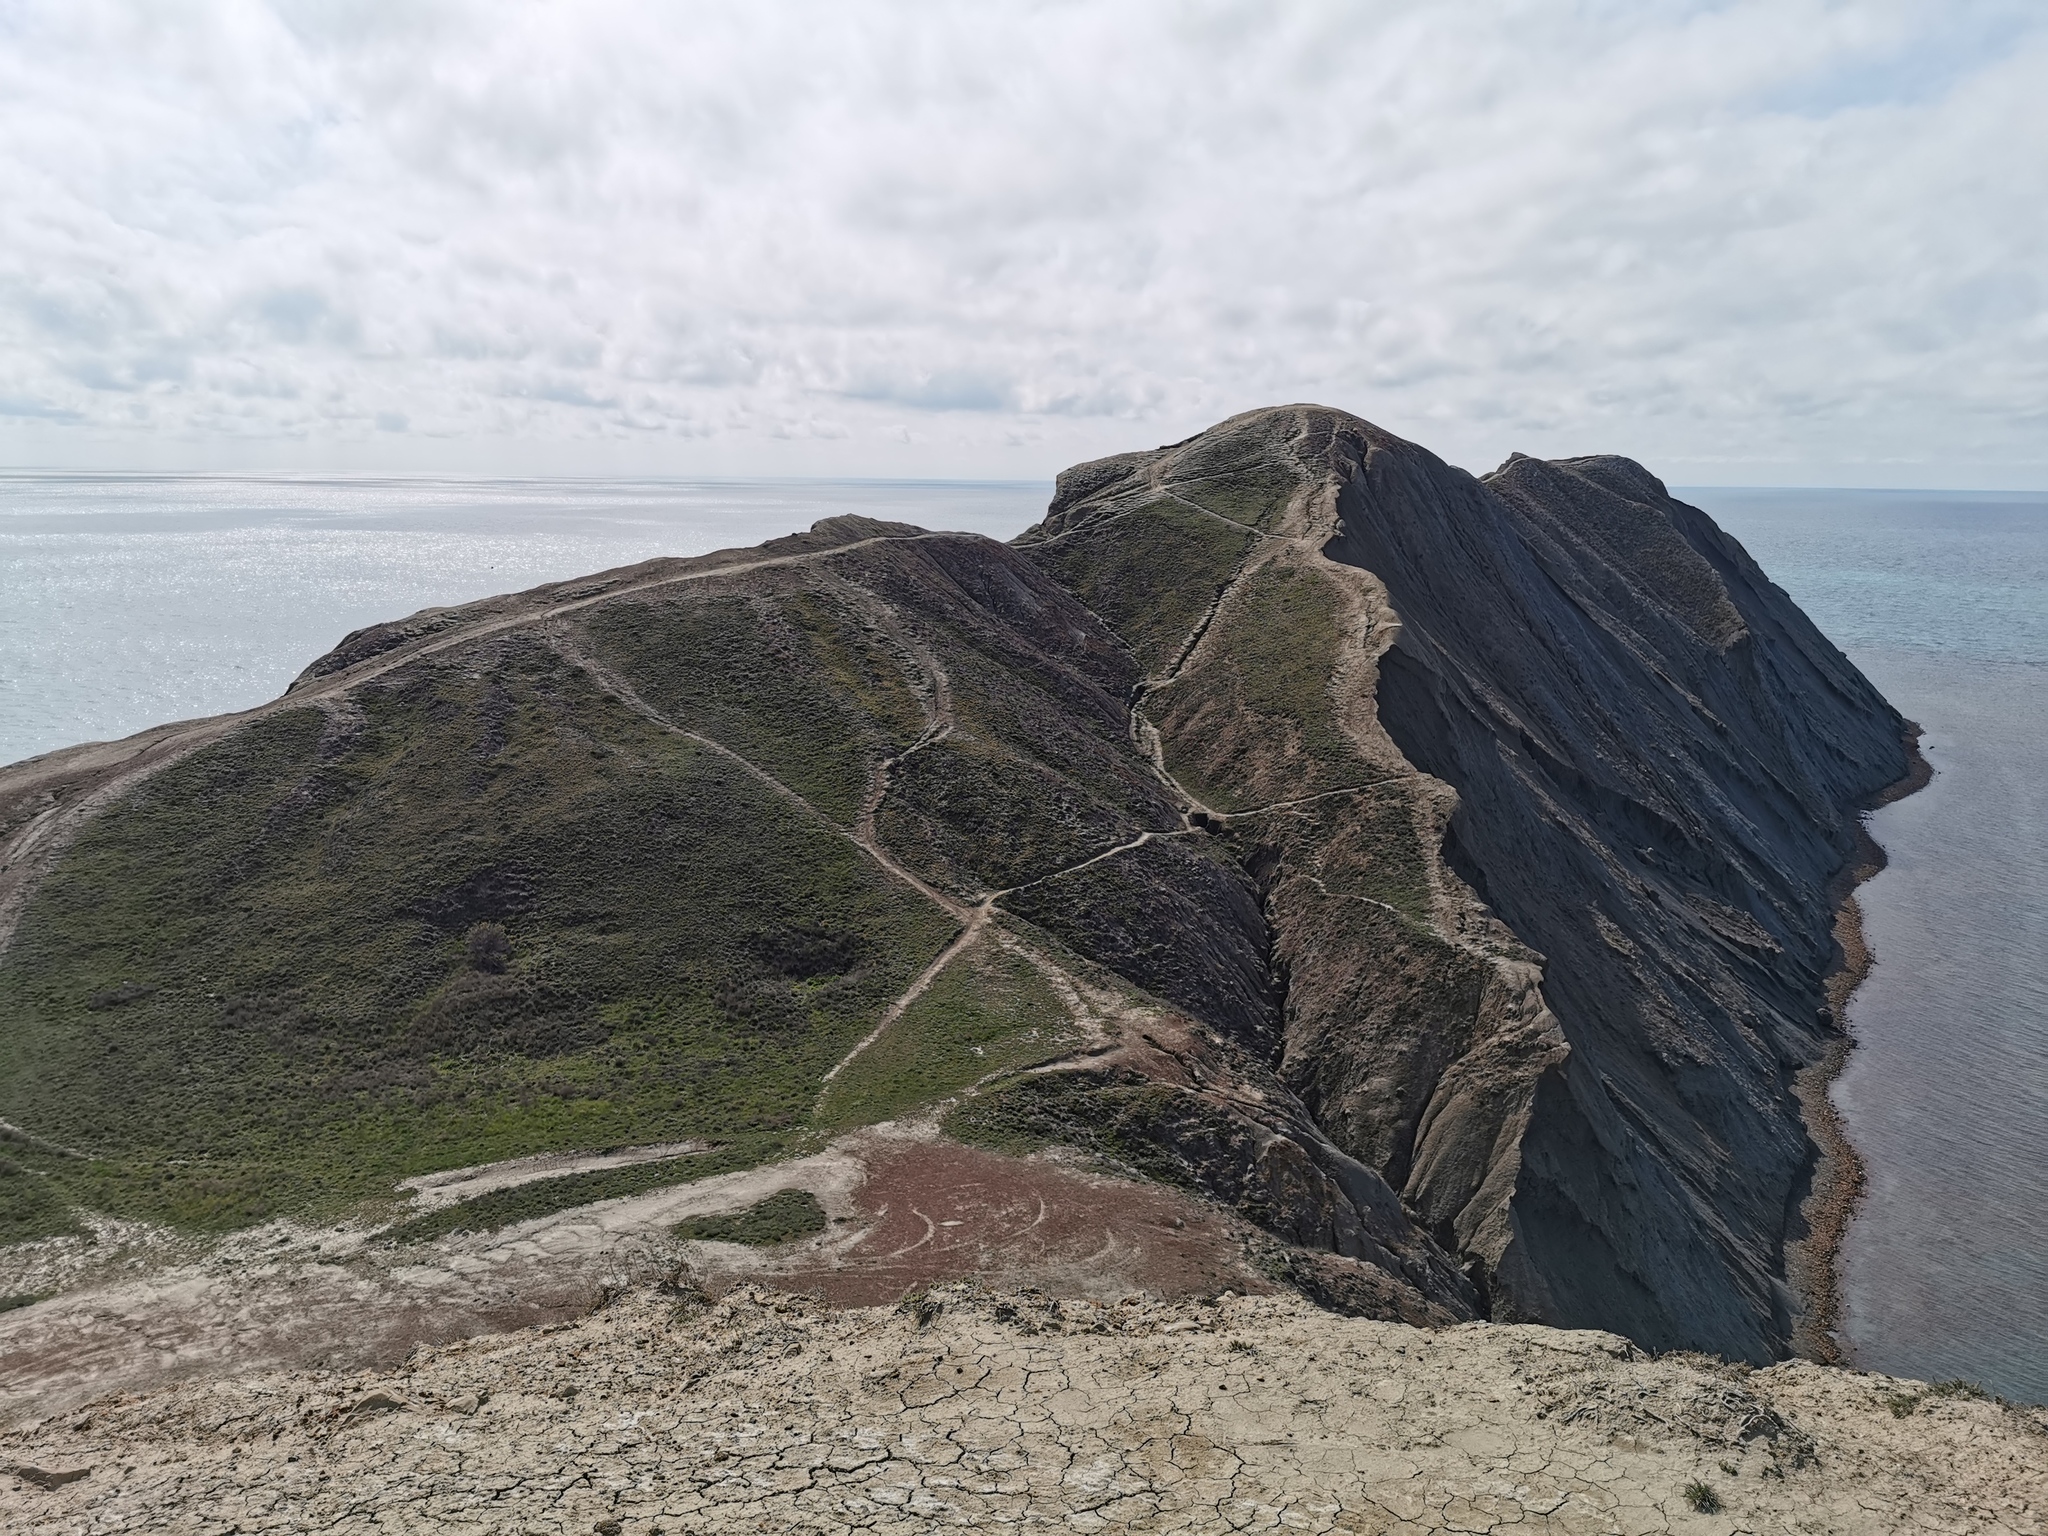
point(1836, 1185)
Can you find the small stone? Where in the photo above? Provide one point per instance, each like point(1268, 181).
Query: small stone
point(50, 1478)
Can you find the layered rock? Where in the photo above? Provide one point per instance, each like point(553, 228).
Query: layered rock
point(1545, 786)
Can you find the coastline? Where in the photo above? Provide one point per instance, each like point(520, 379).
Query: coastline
point(1835, 1189)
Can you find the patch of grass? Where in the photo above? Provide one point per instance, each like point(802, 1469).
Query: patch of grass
point(969, 810)
point(248, 988)
point(1254, 496)
point(790, 681)
point(1359, 845)
point(1114, 1121)
point(1957, 1387)
point(781, 1218)
point(1255, 722)
point(544, 1197)
point(1902, 1404)
point(1151, 575)
point(32, 1205)
point(988, 1011)
point(1702, 1498)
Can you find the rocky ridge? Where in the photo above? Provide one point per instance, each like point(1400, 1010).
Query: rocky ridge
point(1433, 873)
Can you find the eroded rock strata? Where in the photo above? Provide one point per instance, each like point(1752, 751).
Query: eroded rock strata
point(1004, 1411)
point(1431, 871)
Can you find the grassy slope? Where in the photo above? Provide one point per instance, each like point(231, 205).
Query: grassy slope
point(1150, 574)
point(1253, 720)
point(988, 1011)
point(245, 989)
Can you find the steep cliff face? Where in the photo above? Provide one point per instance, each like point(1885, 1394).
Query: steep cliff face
point(1657, 758)
point(1545, 785)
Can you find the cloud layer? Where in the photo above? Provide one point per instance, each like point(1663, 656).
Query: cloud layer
point(1765, 239)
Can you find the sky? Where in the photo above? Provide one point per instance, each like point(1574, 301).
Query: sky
point(1779, 242)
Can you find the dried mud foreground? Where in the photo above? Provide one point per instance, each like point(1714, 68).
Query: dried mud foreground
point(969, 1409)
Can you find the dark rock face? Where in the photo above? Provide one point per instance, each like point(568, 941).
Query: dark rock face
point(1657, 758)
point(1544, 787)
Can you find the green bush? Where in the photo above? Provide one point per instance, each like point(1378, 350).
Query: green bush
point(781, 1218)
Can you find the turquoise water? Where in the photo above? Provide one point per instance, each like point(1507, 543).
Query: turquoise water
point(1943, 601)
point(125, 601)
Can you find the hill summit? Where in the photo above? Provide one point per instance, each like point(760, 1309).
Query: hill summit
point(1293, 864)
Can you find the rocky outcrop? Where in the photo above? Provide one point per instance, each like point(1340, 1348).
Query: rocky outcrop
point(986, 1411)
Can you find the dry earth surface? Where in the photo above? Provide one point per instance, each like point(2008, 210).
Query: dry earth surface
point(139, 1308)
point(1010, 1411)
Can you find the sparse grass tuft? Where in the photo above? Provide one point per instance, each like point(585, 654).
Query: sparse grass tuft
point(1956, 1386)
point(1702, 1498)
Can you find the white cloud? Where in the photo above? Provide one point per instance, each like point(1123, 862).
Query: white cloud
point(1761, 239)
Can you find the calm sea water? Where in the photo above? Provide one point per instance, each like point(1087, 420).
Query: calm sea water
point(130, 600)
point(1943, 601)
point(125, 601)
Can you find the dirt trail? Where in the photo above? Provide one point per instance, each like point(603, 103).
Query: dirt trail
point(976, 921)
point(108, 770)
point(905, 1208)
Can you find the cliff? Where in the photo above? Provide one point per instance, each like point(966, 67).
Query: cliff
point(1427, 877)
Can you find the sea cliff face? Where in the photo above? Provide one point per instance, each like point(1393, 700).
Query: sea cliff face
point(1427, 876)
point(1639, 769)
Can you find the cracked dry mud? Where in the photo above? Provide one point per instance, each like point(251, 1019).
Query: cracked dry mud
point(768, 1412)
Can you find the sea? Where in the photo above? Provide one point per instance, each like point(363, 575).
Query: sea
point(128, 600)
point(1942, 600)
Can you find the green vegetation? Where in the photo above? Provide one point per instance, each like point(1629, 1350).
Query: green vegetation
point(1702, 1498)
point(1363, 844)
point(790, 682)
point(1150, 575)
point(32, 1205)
point(781, 1218)
point(253, 986)
point(1176, 917)
point(544, 1197)
point(983, 818)
point(1121, 1123)
point(988, 1011)
point(1255, 722)
point(1254, 496)
point(1957, 1387)
point(25, 1299)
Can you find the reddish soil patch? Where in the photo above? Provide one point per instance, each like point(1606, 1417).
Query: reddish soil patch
point(941, 1212)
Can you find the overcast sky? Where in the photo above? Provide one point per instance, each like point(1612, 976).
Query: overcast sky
point(1765, 241)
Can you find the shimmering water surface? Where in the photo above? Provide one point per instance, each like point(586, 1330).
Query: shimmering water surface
point(130, 600)
point(1943, 601)
point(125, 601)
